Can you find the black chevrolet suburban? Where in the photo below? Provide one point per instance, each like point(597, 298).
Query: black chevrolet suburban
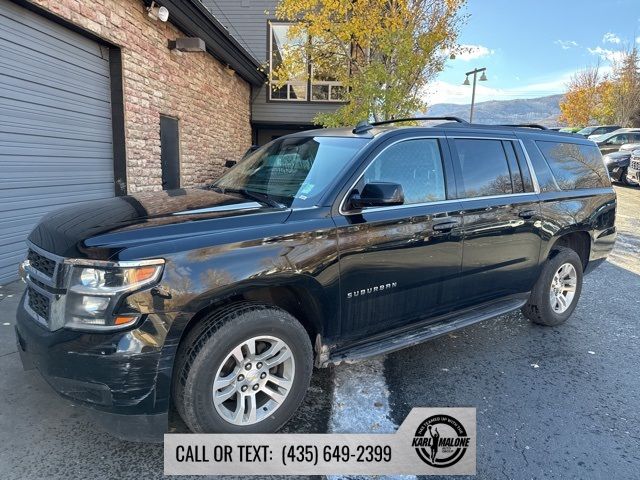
point(322, 247)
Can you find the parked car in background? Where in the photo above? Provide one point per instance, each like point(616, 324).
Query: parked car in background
point(612, 142)
point(618, 164)
point(629, 147)
point(597, 130)
point(633, 171)
point(570, 129)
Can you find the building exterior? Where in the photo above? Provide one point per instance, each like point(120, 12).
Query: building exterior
point(94, 103)
point(288, 109)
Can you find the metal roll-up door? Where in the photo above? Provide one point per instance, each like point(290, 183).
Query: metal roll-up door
point(55, 125)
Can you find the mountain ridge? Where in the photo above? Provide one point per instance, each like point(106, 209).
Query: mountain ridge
point(542, 110)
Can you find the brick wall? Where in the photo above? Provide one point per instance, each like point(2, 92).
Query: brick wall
point(212, 104)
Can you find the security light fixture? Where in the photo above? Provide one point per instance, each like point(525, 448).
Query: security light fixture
point(466, 81)
point(483, 77)
point(157, 12)
point(188, 44)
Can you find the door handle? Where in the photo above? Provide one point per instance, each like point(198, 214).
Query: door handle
point(526, 213)
point(445, 226)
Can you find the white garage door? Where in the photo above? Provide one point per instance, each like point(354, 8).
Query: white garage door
point(55, 125)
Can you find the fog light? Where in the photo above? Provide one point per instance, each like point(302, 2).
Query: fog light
point(81, 321)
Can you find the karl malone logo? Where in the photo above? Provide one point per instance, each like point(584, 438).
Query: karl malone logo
point(441, 441)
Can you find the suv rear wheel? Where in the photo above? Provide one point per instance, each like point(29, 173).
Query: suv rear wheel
point(245, 369)
point(556, 293)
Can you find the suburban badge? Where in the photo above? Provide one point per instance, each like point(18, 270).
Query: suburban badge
point(370, 290)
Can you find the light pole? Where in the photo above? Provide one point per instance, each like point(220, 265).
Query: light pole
point(483, 78)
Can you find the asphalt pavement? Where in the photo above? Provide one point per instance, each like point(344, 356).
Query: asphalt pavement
point(560, 402)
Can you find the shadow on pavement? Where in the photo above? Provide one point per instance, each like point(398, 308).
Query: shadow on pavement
point(552, 402)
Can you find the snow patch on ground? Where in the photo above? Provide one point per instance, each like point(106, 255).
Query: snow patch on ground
point(361, 404)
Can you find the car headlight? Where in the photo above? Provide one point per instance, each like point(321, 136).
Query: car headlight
point(96, 288)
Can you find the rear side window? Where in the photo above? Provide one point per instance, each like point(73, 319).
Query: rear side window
point(484, 168)
point(575, 166)
point(414, 164)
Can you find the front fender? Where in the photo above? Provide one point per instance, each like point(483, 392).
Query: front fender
point(301, 257)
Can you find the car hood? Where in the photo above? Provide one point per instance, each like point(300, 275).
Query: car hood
point(619, 155)
point(100, 228)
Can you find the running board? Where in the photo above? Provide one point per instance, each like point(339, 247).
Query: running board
point(409, 337)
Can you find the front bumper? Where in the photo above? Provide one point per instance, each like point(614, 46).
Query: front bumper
point(616, 172)
point(633, 177)
point(119, 375)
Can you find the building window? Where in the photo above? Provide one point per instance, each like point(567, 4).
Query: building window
point(170, 152)
point(295, 89)
point(325, 88)
point(322, 86)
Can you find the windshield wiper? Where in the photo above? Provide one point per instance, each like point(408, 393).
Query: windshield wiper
point(257, 196)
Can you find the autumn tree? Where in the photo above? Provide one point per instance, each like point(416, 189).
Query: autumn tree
point(382, 52)
point(625, 97)
point(605, 99)
point(582, 102)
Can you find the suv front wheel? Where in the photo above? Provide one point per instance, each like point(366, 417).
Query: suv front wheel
point(245, 369)
point(555, 295)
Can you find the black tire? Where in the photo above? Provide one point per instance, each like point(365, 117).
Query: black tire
point(538, 309)
point(208, 344)
point(623, 178)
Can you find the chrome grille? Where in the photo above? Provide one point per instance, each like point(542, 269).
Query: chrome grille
point(38, 303)
point(42, 264)
point(635, 164)
point(44, 301)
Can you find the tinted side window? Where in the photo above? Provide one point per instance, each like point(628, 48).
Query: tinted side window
point(484, 168)
point(618, 139)
point(414, 164)
point(575, 166)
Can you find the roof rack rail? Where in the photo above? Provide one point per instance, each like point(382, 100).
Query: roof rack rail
point(365, 126)
point(397, 120)
point(525, 125)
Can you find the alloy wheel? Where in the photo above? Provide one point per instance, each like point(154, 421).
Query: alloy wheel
point(254, 380)
point(563, 288)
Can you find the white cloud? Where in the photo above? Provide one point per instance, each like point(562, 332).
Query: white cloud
point(444, 92)
point(637, 39)
point(566, 44)
point(611, 38)
point(612, 56)
point(467, 53)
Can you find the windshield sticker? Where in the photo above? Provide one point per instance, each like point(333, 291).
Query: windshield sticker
point(306, 188)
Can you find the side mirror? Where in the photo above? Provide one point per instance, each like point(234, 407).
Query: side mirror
point(378, 194)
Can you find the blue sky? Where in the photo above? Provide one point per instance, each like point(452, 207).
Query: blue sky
point(531, 48)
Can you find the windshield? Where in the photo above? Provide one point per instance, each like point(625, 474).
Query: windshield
point(294, 171)
point(587, 130)
point(605, 136)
